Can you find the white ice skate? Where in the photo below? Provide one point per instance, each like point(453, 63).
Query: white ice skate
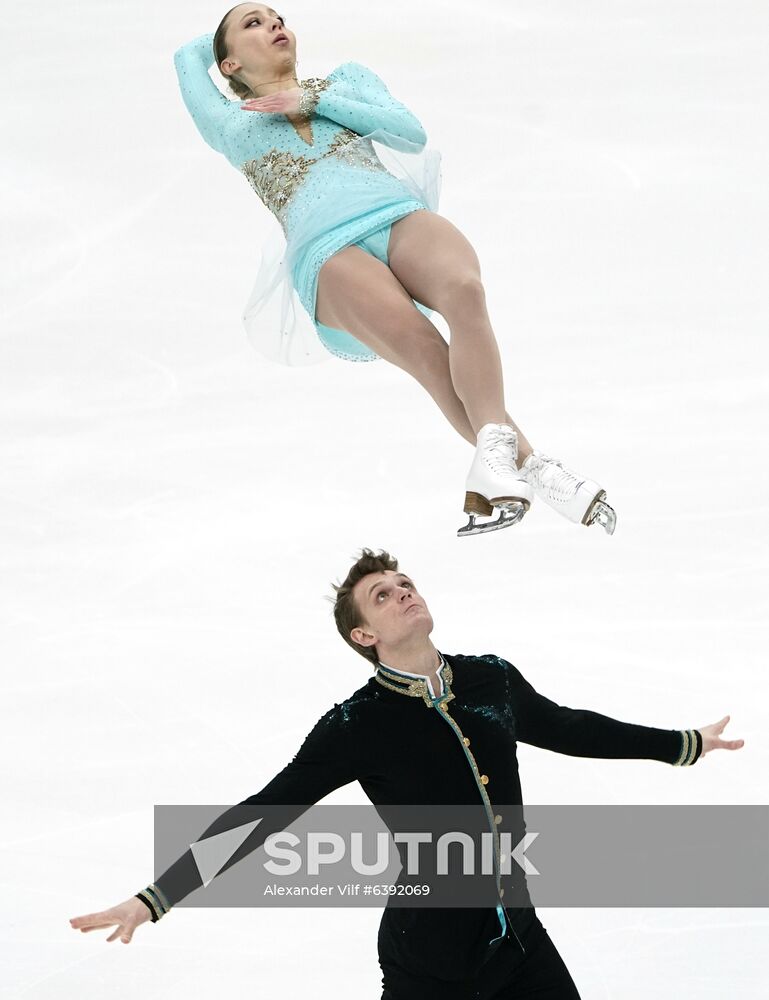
point(580, 500)
point(494, 481)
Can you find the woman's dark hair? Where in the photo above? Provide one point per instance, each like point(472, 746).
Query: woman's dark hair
point(240, 89)
point(346, 612)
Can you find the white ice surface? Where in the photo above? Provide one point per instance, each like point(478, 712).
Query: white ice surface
point(174, 509)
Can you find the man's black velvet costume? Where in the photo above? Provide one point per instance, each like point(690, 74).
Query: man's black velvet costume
point(407, 747)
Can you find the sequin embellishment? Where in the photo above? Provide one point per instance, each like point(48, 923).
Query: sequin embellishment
point(276, 175)
point(355, 150)
point(311, 91)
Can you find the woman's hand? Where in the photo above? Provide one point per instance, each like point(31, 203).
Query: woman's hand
point(127, 916)
point(711, 738)
point(284, 102)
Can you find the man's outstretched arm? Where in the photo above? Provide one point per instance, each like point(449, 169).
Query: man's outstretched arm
point(580, 732)
point(324, 761)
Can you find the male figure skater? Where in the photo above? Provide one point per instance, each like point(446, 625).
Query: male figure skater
point(430, 728)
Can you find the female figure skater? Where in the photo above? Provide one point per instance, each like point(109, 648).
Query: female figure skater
point(366, 254)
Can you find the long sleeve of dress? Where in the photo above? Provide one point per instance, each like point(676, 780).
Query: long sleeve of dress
point(583, 733)
point(359, 100)
point(207, 105)
point(323, 762)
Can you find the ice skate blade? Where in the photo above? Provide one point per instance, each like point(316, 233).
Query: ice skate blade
point(509, 514)
point(601, 513)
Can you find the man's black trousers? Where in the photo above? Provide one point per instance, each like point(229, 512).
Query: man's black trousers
point(508, 975)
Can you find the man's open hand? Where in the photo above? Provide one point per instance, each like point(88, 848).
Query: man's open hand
point(711, 737)
point(128, 916)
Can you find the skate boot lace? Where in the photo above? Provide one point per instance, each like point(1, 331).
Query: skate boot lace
point(500, 450)
point(549, 475)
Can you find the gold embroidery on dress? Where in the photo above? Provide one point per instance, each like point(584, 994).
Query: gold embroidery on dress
point(355, 150)
point(311, 91)
point(276, 175)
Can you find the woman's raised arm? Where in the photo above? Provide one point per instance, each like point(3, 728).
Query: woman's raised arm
point(205, 102)
point(358, 99)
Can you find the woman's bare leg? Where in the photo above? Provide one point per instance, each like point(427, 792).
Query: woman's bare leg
point(357, 293)
point(438, 267)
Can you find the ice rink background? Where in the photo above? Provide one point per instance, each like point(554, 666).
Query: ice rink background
point(174, 508)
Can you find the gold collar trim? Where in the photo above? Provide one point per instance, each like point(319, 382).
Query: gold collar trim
point(416, 687)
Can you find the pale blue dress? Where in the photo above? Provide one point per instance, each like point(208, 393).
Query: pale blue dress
point(368, 165)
